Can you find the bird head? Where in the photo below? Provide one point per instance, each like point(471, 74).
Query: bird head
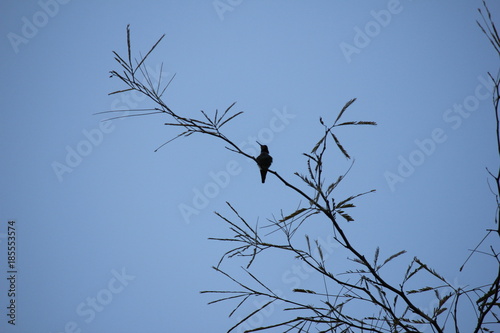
point(263, 148)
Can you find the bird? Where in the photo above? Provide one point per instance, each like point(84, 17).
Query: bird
point(264, 161)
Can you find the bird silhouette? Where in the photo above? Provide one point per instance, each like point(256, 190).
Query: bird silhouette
point(264, 161)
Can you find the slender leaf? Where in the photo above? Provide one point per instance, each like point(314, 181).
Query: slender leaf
point(340, 146)
point(394, 256)
point(297, 212)
point(343, 109)
point(306, 291)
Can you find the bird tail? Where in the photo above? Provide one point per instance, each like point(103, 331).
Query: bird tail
point(263, 175)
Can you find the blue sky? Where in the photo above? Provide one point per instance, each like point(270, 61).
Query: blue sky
point(99, 214)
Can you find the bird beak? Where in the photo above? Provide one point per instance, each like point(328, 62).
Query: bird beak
point(258, 143)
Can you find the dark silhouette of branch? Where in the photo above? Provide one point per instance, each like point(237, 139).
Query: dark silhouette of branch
point(356, 300)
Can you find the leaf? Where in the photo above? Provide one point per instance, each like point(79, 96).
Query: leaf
point(129, 49)
point(311, 157)
point(410, 274)
point(444, 299)
point(241, 303)
point(394, 256)
point(120, 91)
point(438, 311)
point(347, 205)
point(343, 109)
point(232, 117)
point(333, 185)
point(250, 315)
point(358, 261)
point(306, 291)
point(297, 212)
point(343, 202)
point(320, 252)
point(486, 295)
point(210, 122)
point(149, 52)
point(317, 145)
point(305, 179)
point(353, 197)
point(377, 252)
point(340, 146)
point(121, 61)
point(415, 321)
point(357, 123)
point(430, 270)
point(421, 290)
point(346, 216)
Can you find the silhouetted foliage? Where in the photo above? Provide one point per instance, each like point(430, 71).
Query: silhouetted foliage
point(359, 299)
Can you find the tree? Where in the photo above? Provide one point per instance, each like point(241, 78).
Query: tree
point(362, 298)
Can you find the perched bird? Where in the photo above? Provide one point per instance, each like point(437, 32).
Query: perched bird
point(264, 161)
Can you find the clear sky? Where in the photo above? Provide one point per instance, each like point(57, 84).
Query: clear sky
point(104, 243)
